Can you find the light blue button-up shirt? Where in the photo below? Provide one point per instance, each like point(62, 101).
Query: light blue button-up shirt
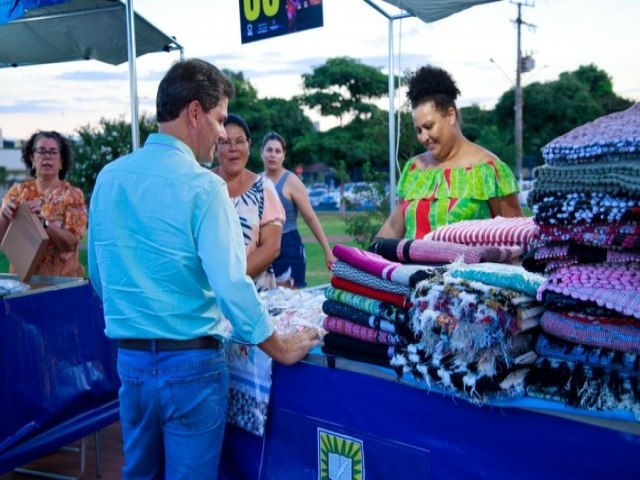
point(166, 253)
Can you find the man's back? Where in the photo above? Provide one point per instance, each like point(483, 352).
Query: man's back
point(158, 222)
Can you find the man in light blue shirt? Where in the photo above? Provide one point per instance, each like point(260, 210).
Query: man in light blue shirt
point(166, 256)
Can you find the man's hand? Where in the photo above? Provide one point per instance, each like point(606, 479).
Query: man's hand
point(290, 348)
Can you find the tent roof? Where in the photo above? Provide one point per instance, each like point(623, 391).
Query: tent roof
point(77, 30)
point(432, 10)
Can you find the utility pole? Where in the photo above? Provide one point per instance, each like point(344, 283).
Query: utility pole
point(523, 65)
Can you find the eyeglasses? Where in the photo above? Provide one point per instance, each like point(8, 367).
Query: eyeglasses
point(238, 143)
point(41, 152)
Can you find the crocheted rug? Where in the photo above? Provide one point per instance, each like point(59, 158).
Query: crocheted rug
point(499, 231)
point(549, 258)
point(584, 387)
point(557, 302)
point(431, 252)
point(472, 381)
point(580, 208)
point(622, 179)
point(614, 286)
point(624, 235)
point(616, 134)
point(605, 358)
point(613, 333)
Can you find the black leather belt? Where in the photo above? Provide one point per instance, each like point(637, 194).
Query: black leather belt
point(165, 345)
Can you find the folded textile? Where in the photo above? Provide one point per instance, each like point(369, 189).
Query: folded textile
point(550, 257)
point(348, 272)
point(470, 380)
point(434, 252)
point(468, 302)
point(616, 134)
point(374, 307)
point(605, 358)
point(593, 331)
point(614, 286)
point(498, 231)
point(249, 387)
point(511, 277)
point(351, 348)
point(399, 301)
point(580, 208)
point(623, 235)
point(619, 178)
point(342, 310)
point(557, 302)
point(581, 386)
point(360, 332)
point(376, 264)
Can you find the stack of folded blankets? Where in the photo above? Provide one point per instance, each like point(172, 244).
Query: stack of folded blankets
point(447, 325)
point(367, 306)
point(586, 203)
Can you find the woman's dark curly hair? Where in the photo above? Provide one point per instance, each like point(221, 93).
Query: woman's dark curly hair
point(433, 84)
point(66, 155)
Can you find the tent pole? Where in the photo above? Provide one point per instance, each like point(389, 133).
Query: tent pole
point(392, 124)
point(133, 77)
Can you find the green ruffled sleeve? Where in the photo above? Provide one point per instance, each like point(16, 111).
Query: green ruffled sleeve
point(481, 181)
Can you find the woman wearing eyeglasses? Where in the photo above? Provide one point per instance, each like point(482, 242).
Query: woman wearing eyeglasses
point(256, 201)
point(59, 206)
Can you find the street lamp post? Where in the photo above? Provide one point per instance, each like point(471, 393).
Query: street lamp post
point(521, 67)
point(518, 101)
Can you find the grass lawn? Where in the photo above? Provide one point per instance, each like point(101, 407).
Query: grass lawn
point(334, 228)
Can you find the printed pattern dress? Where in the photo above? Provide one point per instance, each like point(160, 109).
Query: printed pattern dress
point(433, 197)
point(257, 207)
point(64, 207)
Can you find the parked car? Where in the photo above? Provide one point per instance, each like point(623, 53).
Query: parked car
point(362, 195)
point(315, 197)
point(525, 187)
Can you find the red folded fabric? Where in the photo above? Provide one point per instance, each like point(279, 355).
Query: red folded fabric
point(392, 298)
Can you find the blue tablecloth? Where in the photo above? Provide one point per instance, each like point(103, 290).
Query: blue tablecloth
point(355, 421)
point(58, 377)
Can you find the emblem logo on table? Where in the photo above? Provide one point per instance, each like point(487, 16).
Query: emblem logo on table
point(340, 457)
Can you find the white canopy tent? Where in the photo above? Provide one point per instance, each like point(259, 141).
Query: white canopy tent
point(104, 30)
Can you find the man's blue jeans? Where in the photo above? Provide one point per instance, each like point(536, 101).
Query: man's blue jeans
point(173, 410)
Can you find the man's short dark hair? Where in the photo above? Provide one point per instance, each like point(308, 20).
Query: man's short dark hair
point(190, 80)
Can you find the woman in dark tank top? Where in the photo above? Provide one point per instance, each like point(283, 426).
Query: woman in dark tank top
point(290, 266)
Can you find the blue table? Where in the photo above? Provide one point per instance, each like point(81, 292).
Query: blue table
point(58, 377)
point(356, 421)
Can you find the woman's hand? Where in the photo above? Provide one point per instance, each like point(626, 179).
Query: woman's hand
point(9, 210)
point(36, 207)
point(330, 259)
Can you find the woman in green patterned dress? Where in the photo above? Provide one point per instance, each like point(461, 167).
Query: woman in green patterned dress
point(454, 179)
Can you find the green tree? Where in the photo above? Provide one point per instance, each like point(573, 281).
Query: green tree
point(553, 108)
point(363, 226)
point(343, 86)
point(97, 146)
point(266, 114)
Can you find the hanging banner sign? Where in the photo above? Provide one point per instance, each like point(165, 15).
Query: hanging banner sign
point(260, 19)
